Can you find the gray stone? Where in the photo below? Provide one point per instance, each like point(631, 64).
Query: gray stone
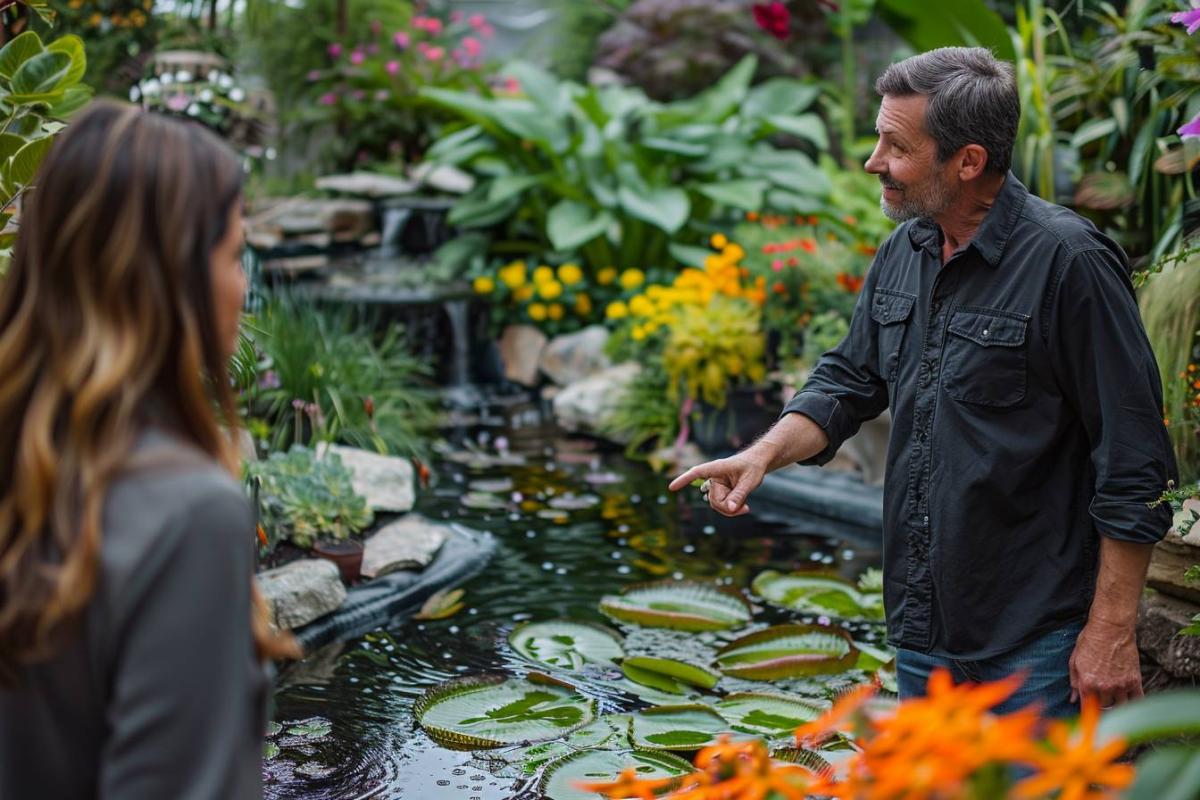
point(309, 220)
point(443, 178)
point(520, 350)
point(1185, 521)
point(408, 543)
point(574, 356)
point(584, 405)
point(386, 481)
point(1172, 557)
point(301, 591)
point(367, 184)
point(1159, 620)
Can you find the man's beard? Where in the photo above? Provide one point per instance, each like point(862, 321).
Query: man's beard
point(927, 199)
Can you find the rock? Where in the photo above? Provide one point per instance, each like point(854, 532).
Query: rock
point(301, 591)
point(408, 543)
point(520, 350)
point(367, 184)
point(1159, 620)
point(1185, 522)
point(314, 222)
point(443, 178)
point(583, 405)
point(574, 356)
point(1172, 558)
point(386, 481)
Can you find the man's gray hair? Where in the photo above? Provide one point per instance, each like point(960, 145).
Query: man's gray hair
point(972, 100)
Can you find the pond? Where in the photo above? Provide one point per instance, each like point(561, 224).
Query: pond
point(579, 523)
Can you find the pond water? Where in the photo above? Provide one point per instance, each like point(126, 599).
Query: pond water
point(346, 712)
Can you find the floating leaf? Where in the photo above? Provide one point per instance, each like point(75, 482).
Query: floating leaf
point(681, 671)
point(817, 594)
point(682, 727)
point(273, 728)
point(655, 680)
point(493, 711)
point(491, 485)
point(806, 758)
point(561, 779)
point(566, 644)
point(871, 580)
point(765, 714)
point(270, 750)
point(610, 732)
point(787, 651)
point(314, 728)
point(441, 604)
point(572, 502)
point(678, 604)
point(483, 501)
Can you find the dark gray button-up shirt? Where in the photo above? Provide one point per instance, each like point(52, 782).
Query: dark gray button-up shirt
point(1026, 422)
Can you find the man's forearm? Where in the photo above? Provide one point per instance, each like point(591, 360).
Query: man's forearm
point(793, 438)
point(1119, 581)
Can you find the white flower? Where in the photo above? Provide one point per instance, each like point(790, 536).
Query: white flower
point(134, 94)
point(237, 95)
point(270, 154)
point(225, 81)
point(193, 110)
point(151, 88)
point(183, 76)
point(206, 96)
point(212, 76)
point(167, 78)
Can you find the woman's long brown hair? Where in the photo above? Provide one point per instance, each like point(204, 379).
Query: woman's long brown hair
point(106, 323)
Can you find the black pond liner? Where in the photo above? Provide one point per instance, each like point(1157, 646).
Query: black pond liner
point(392, 598)
point(839, 503)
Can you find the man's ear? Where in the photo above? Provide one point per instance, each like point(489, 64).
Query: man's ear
point(972, 160)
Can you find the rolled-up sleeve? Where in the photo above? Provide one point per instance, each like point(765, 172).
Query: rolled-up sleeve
point(1108, 373)
point(845, 388)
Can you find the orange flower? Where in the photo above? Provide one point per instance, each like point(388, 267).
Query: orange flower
point(1074, 766)
point(850, 282)
point(629, 785)
point(835, 720)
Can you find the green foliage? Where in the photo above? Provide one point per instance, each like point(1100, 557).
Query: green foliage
point(711, 349)
point(927, 24)
point(609, 175)
point(303, 497)
point(823, 333)
point(326, 378)
point(644, 413)
point(118, 37)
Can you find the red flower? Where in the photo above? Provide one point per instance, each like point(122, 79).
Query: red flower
point(774, 18)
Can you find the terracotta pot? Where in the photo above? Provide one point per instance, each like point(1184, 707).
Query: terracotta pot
point(347, 554)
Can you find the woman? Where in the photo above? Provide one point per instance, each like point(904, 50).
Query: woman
point(130, 665)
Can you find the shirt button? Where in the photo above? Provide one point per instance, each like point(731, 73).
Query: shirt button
point(986, 333)
point(926, 519)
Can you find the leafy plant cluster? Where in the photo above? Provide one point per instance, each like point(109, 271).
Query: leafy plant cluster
point(118, 37)
point(302, 497)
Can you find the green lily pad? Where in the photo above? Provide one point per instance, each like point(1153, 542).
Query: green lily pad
point(312, 728)
point(871, 657)
point(818, 594)
point(655, 680)
point(491, 485)
point(811, 759)
point(788, 651)
point(493, 711)
point(681, 727)
point(560, 780)
point(682, 605)
point(483, 501)
point(676, 671)
point(765, 714)
point(566, 644)
point(574, 502)
point(610, 732)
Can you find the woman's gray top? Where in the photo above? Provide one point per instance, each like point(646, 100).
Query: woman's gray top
point(158, 693)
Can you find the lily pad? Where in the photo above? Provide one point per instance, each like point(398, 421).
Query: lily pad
point(312, 728)
point(610, 732)
point(787, 651)
point(491, 485)
point(493, 711)
point(765, 714)
point(811, 759)
point(566, 644)
point(871, 657)
point(668, 674)
point(483, 501)
point(818, 594)
point(602, 478)
point(560, 780)
point(682, 605)
point(681, 727)
point(574, 502)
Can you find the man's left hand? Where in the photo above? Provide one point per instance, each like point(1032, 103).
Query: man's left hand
point(1105, 663)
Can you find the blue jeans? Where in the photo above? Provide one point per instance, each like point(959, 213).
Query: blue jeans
point(1044, 661)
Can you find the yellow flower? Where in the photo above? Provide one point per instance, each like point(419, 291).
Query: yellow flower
point(513, 275)
point(719, 241)
point(75, 4)
point(543, 274)
point(523, 294)
point(616, 310)
point(94, 20)
point(733, 253)
point(638, 333)
point(555, 311)
point(550, 289)
point(606, 276)
point(484, 285)
point(632, 278)
point(583, 305)
point(640, 306)
point(537, 312)
point(570, 274)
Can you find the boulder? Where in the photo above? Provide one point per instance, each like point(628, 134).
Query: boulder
point(584, 404)
point(367, 184)
point(300, 592)
point(408, 543)
point(520, 351)
point(574, 356)
point(443, 178)
point(1159, 620)
point(1172, 558)
point(386, 481)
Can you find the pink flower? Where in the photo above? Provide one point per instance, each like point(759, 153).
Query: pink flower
point(357, 57)
point(435, 53)
point(314, 75)
point(334, 50)
point(358, 94)
point(487, 31)
point(431, 25)
point(328, 99)
point(774, 18)
point(472, 46)
point(777, 265)
point(1190, 18)
point(1192, 128)
point(477, 21)
point(393, 68)
point(178, 102)
point(401, 40)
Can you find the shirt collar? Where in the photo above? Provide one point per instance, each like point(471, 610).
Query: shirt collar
point(993, 234)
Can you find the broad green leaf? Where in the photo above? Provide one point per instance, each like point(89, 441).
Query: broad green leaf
point(1148, 719)
point(72, 46)
point(1092, 130)
point(929, 24)
point(715, 104)
point(19, 50)
point(664, 144)
point(493, 711)
point(42, 74)
point(817, 594)
point(788, 169)
point(562, 778)
point(681, 605)
point(10, 143)
point(73, 99)
point(475, 210)
point(788, 651)
point(546, 91)
point(793, 203)
point(692, 674)
point(507, 186)
point(778, 96)
point(665, 208)
point(688, 255)
point(652, 679)
point(809, 127)
point(766, 714)
point(1172, 773)
point(25, 162)
point(313, 728)
point(566, 644)
point(570, 224)
point(682, 727)
point(871, 657)
point(746, 195)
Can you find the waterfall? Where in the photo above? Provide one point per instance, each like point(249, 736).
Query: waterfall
point(394, 219)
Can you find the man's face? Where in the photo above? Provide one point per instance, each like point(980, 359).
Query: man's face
point(905, 159)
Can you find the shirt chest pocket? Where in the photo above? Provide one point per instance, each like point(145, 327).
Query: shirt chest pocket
point(890, 311)
point(986, 358)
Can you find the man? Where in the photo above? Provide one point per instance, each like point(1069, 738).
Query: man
point(1027, 437)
